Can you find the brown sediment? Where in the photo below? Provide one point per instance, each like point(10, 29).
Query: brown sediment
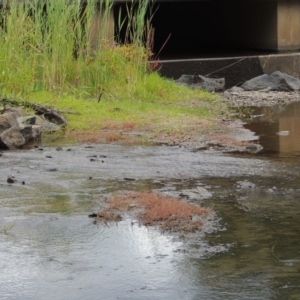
point(225, 139)
point(166, 212)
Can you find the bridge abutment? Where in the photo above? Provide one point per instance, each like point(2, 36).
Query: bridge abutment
point(288, 25)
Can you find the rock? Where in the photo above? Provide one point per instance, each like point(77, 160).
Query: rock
point(17, 111)
point(198, 193)
point(254, 148)
point(8, 120)
point(284, 132)
point(27, 120)
point(273, 189)
point(11, 179)
point(14, 129)
point(12, 138)
point(52, 170)
point(49, 127)
point(31, 132)
point(50, 115)
point(36, 132)
point(200, 82)
point(277, 81)
point(39, 121)
point(26, 131)
point(185, 80)
point(234, 90)
point(245, 184)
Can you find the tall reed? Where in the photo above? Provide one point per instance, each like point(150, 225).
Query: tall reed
point(62, 46)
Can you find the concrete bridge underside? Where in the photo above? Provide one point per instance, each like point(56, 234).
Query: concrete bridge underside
point(207, 35)
point(197, 27)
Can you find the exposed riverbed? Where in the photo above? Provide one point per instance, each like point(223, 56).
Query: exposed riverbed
point(248, 249)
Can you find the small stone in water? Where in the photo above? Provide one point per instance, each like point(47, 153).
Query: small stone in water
point(11, 179)
point(283, 132)
point(244, 185)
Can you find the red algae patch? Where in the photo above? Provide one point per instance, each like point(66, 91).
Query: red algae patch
point(166, 212)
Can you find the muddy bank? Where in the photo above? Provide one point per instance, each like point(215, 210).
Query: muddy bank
point(225, 136)
point(228, 134)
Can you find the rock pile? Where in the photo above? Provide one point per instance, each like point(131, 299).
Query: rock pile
point(265, 90)
point(199, 82)
point(17, 128)
point(277, 81)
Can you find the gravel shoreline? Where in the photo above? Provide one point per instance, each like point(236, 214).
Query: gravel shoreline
point(259, 98)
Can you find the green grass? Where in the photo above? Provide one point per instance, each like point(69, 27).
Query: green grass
point(49, 59)
point(168, 103)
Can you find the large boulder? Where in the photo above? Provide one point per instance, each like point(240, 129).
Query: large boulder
point(8, 120)
point(277, 81)
point(200, 82)
point(31, 132)
point(12, 138)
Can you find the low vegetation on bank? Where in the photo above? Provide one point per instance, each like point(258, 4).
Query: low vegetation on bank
point(47, 56)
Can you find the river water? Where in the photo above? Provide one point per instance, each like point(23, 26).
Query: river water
point(248, 249)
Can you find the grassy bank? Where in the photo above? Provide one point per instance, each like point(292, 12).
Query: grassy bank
point(47, 57)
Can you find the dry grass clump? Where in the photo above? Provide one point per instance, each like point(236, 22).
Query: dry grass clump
point(112, 136)
point(169, 213)
point(92, 137)
point(85, 136)
point(112, 125)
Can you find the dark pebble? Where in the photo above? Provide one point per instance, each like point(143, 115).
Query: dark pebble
point(52, 170)
point(93, 216)
point(23, 182)
point(90, 178)
point(92, 156)
point(129, 179)
point(58, 148)
point(69, 149)
point(102, 156)
point(10, 180)
point(89, 147)
point(93, 159)
point(48, 156)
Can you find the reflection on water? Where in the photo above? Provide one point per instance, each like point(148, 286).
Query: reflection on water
point(270, 122)
point(70, 258)
point(250, 250)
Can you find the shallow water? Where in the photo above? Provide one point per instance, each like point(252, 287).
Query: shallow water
point(249, 249)
point(279, 129)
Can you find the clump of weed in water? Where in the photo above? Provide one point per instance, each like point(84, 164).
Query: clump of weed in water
point(168, 213)
point(7, 228)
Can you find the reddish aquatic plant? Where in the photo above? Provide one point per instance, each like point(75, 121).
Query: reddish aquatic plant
point(165, 211)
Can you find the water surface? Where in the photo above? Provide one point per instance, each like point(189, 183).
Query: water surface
point(248, 249)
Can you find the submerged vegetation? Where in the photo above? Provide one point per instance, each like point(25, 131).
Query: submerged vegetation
point(60, 54)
